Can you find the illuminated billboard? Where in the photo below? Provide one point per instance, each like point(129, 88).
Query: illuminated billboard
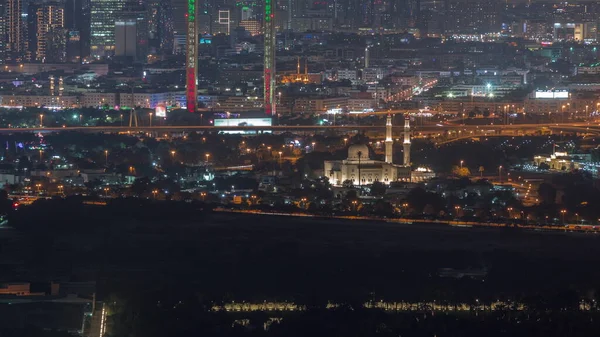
point(243, 122)
point(160, 111)
point(551, 94)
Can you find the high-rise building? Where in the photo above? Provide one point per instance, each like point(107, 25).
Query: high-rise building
point(269, 58)
point(160, 27)
point(473, 16)
point(126, 38)
point(179, 9)
point(102, 26)
point(131, 32)
point(191, 81)
point(16, 40)
point(50, 32)
point(74, 46)
point(2, 32)
point(77, 21)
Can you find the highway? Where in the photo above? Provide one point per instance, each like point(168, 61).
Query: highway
point(454, 223)
point(481, 129)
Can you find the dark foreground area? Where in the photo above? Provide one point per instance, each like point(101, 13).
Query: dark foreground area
point(170, 263)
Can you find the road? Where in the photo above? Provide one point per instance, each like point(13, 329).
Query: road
point(454, 223)
point(474, 130)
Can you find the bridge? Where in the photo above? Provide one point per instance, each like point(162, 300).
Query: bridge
point(472, 130)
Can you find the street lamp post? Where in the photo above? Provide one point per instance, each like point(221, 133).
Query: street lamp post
point(562, 213)
point(207, 155)
point(106, 157)
point(500, 173)
point(41, 120)
point(461, 164)
point(150, 118)
point(172, 155)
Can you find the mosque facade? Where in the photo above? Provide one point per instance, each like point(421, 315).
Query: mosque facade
point(360, 169)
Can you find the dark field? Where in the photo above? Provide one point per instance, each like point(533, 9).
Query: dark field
point(231, 256)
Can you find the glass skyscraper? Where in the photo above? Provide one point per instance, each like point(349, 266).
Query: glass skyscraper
point(102, 32)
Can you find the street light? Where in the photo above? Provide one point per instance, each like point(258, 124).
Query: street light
point(150, 117)
point(106, 157)
point(345, 141)
point(563, 212)
point(207, 155)
point(457, 209)
point(154, 193)
point(41, 120)
point(461, 163)
point(172, 155)
point(500, 173)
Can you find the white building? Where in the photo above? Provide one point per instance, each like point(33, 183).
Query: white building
point(372, 75)
point(151, 100)
point(40, 101)
point(96, 99)
point(359, 168)
point(347, 74)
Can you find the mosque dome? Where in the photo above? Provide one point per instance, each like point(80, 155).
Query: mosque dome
point(356, 149)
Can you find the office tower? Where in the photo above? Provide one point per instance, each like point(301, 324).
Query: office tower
point(246, 13)
point(126, 38)
point(77, 22)
point(191, 81)
point(179, 9)
point(473, 16)
point(74, 48)
point(102, 26)
point(131, 32)
point(2, 32)
point(431, 17)
point(15, 30)
point(50, 32)
point(366, 13)
point(269, 58)
point(165, 27)
point(160, 27)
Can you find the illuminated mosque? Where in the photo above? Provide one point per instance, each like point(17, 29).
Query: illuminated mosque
point(362, 170)
point(299, 77)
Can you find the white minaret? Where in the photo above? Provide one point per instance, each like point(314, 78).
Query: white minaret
point(406, 144)
point(389, 142)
